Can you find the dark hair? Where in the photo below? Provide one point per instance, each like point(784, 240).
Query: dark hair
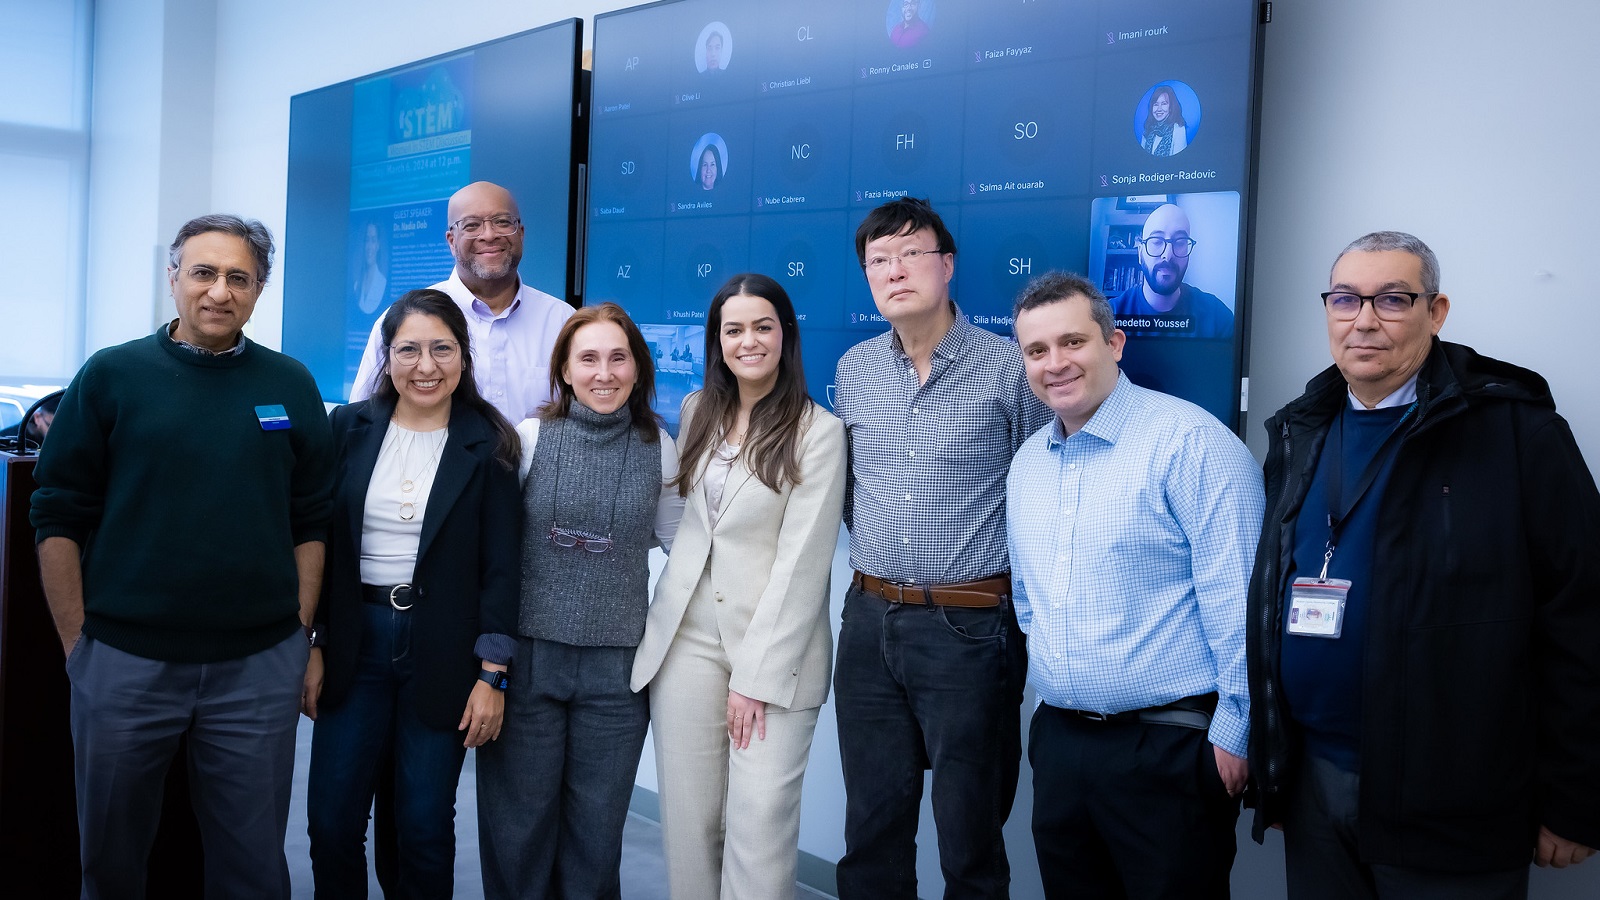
point(1054, 287)
point(429, 302)
point(643, 397)
point(252, 231)
point(1405, 243)
point(903, 216)
point(1174, 108)
point(772, 446)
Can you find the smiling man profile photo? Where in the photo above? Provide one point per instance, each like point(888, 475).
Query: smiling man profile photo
point(1165, 246)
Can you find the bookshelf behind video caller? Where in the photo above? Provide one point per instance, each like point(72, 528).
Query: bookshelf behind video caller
point(38, 822)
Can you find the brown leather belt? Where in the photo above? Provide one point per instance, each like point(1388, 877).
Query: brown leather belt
point(980, 594)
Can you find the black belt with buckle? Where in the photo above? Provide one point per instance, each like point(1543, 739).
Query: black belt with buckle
point(396, 595)
point(1190, 712)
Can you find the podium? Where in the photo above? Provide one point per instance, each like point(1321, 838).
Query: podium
point(38, 813)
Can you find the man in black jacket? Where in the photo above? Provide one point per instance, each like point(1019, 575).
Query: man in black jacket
point(1424, 667)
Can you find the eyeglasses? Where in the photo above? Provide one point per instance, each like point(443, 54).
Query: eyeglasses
point(908, 258)
point(205, 276)
point(561, 537)
point(472, 226)
point(1155, 246)
point(443, 352)
point(1390, 306)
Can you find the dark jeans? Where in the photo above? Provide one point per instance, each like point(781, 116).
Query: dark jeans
point(1128, 809)
point(553, 791)
point(127, 715)
point(379, 715)
point(1322, 862)
point(919, 687)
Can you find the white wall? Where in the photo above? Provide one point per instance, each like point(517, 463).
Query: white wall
point(1468, 124)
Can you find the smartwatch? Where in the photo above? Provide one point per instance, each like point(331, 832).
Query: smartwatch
point(496, 680)
point(314, 635)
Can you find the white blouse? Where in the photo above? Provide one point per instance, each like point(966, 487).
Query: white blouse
point(397, 500)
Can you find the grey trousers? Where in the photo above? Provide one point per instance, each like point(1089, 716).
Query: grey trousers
point(1321, 862)
point(127, 715)
point(553, 791)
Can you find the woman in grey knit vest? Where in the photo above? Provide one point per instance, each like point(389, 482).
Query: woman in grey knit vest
point(553, 791)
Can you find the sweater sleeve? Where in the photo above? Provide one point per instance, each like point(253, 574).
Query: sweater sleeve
point(72, 467)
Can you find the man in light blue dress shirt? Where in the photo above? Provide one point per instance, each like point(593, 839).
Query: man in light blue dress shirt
point(1131, 519)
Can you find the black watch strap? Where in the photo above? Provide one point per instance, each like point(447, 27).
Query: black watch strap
point(496, 680)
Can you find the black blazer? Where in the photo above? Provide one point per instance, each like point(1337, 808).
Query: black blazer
point(468, 562)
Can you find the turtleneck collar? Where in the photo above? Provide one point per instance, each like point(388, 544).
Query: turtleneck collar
point(599, 425)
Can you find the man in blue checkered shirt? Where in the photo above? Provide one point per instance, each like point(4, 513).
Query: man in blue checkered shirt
point(1131, 526)
point(931, 664)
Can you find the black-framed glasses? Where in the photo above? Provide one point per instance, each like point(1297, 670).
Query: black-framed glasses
point(408, 354)
point(1391, 306)
point(1181, 247)
point(908, 258)
point(472, 226)
point(562, 537)
point(205, 276)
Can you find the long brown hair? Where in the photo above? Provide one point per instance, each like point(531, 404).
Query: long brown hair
point(429, 302)
point(640, 401)
point(772, 447)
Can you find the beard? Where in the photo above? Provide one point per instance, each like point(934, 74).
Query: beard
point(1157, 277)
point(486, 272)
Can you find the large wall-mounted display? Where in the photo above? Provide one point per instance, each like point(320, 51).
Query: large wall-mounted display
point(1114, 138)
point(373, 161)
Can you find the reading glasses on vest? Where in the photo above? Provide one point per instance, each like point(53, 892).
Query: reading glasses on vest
point(1390, 306)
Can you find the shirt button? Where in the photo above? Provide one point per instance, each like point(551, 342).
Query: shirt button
point(719, 597)
point(1062, 558)
point(908, 496)
point(913, 410)
point(911, 453)
point(905, 540)
point(1072, 465)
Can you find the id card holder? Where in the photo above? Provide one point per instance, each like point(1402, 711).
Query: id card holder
point(1316, 607)
point(273, 417)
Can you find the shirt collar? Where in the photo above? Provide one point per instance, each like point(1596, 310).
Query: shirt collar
point(1108, 421)
point(235, 350)
point(1405, 396)
point(949, 346)
point(481, 308)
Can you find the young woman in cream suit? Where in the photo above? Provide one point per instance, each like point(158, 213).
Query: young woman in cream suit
point(738, 645)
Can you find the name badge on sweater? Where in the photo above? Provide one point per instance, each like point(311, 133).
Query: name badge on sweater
point(1316, 606)
point(273, 418)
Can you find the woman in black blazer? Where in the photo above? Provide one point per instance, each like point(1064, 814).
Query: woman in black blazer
point(419, 595)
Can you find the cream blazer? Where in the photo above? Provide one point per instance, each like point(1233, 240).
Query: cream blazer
point(769, 574)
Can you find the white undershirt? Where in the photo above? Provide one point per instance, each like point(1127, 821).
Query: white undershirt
point(389, 542)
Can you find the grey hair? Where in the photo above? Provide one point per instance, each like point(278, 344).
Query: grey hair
point(251, 230)
point(1406, 243)
point(1053, 287)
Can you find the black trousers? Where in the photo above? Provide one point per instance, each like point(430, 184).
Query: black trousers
point(1127, 809)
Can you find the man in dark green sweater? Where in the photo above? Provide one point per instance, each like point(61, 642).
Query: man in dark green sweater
point(182, 504)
